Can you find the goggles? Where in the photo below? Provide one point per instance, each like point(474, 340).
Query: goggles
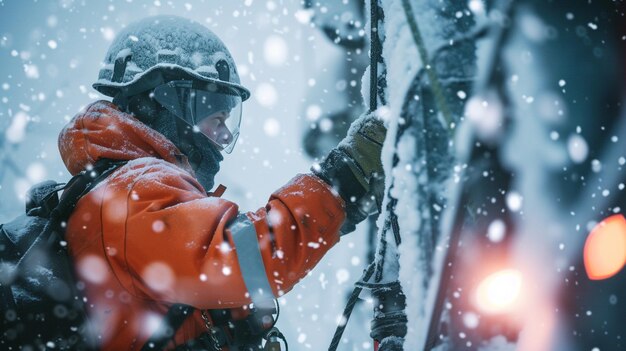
point(211, 109)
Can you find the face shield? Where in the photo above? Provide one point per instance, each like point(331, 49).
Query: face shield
point(211, 109)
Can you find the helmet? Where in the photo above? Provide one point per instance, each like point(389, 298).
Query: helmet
point(190, 70)
point(167, 43)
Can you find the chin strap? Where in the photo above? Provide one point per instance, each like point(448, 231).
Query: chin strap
point(121, 101)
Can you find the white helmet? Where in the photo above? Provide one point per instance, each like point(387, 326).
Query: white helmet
point(188, 70)
point(169, 44)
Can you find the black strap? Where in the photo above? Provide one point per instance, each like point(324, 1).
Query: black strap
point(245, 334)
point(78, 186)
point(375, 54)
point(174, 318)
point(81, 184)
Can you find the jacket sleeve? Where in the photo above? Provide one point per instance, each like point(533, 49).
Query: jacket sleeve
point(179, 247)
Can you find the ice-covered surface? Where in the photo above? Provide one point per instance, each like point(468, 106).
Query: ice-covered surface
point(424, 158)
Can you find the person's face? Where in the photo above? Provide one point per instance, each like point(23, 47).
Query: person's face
point(214, 127)
point(211, 110)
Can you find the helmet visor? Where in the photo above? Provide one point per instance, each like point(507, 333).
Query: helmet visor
point(211, 109)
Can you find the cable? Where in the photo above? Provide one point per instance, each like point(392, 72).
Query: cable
point(277, 313)
point(375, 54)
point(349, 307)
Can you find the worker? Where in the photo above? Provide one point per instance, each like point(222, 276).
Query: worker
point(151, 236)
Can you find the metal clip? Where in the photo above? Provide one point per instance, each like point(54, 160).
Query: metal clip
point(272, 343)
point(212, 331)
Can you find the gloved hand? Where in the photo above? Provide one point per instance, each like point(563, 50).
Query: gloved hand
point(355, 170)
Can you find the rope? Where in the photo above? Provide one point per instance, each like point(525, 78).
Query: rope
point(354, 297)
point(391, 222)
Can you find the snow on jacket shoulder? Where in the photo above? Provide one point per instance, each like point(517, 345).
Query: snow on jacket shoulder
point(149, 236)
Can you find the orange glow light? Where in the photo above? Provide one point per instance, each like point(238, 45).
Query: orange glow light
point(605, 248)
point(499, 292)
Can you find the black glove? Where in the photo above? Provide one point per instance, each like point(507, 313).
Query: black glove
point(355, 170)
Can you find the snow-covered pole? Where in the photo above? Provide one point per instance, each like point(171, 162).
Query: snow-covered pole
point(431, 65)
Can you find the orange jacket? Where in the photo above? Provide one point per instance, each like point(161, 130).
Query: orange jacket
point(149, 236)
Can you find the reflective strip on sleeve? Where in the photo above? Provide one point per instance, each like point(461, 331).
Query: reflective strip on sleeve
point(251, 262)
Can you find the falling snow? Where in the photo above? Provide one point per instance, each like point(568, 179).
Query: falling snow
point(557, 124)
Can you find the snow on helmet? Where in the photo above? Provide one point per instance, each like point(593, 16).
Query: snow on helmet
point(178, 47)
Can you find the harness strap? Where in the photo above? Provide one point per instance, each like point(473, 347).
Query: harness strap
point(80, 185)
point(245, 334)
point(76, 188)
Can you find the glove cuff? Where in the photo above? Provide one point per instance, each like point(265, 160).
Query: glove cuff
point(338, 170)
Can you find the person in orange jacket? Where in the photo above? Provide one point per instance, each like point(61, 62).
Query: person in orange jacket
point(150, 236)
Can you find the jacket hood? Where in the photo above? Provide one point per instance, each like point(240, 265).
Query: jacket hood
point(103, 131)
